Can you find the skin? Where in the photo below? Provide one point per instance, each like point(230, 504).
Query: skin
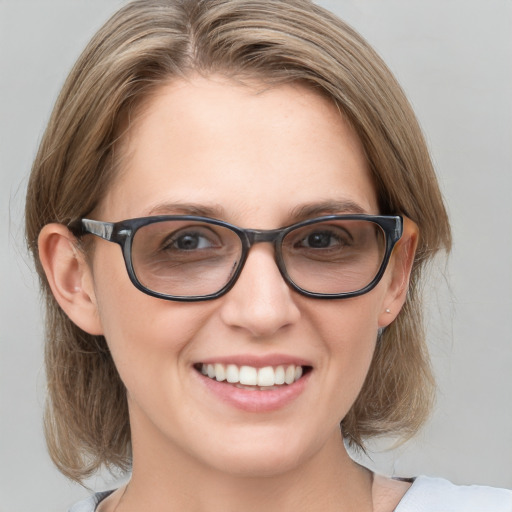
point(253, 156)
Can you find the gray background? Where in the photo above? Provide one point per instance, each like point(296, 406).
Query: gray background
point(454, 59)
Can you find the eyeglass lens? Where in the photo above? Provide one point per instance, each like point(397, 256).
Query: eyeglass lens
point(332, 257)
point(194, 258)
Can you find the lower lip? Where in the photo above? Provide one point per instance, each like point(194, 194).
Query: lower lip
point(256, 400)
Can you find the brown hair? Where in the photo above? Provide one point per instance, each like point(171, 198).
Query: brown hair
point(146, 44)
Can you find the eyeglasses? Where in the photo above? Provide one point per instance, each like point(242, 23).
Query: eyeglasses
point(190, 258)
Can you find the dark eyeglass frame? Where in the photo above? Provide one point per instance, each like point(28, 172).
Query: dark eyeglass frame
point(122, 233)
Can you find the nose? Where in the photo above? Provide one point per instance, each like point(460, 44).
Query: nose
point(260, 302)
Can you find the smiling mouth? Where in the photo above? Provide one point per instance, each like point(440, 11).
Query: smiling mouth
point(250, 377)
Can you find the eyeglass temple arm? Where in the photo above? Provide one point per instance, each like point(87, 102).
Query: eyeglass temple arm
point(96, 227)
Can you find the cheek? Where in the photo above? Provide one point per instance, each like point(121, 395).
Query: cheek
point(349, 326)
point(348, 330)
point(354, 352)
point(142, 332)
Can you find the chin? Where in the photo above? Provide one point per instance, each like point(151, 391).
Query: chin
point(265, 453)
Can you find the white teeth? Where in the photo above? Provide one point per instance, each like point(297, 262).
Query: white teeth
point(279, 375)
point(248, 376)
point(232, 373)
point(220, 373)
point(265, 378)
point(289, 374)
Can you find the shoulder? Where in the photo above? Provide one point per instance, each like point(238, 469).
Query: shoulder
point(436, 494)
point(90, 504)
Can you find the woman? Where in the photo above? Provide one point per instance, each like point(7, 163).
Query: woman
point(275, 204)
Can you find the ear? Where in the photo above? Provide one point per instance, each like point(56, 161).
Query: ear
point(69, 276)
point(400, 266)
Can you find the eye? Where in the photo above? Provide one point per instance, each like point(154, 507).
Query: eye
point(320, 240)
point(324, 238)
point(191, 240)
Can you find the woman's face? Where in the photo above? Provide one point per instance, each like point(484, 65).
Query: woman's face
point(257, 158)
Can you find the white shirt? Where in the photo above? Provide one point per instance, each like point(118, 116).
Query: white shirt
point(438, 495)
point(425, 495)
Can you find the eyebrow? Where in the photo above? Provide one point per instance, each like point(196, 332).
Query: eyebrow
point(301, 212)
point(202, 210)
point(326, 208)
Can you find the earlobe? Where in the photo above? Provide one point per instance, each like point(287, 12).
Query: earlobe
point(401, 263)
point(69, 276)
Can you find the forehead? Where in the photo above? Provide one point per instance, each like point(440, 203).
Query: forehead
point(240, 150)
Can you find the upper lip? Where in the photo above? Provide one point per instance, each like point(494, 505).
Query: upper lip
point(257, 361)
